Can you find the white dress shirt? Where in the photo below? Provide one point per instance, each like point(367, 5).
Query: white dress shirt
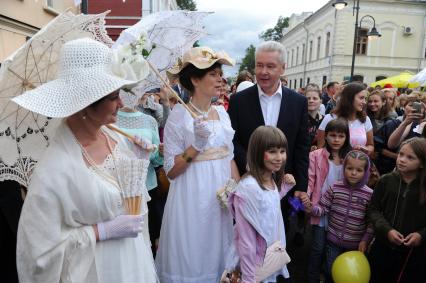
point(270, 105)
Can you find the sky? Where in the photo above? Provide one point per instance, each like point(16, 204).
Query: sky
point(235, 24)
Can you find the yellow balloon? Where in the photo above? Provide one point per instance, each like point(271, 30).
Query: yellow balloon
point(351, 267)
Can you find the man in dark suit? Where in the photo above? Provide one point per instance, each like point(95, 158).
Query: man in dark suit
point(269, 103)
point(183, 94)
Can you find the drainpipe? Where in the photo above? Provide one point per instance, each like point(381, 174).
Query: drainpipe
point(306, 53)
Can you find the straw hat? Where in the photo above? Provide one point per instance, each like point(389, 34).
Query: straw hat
point(84, 76)
point(202, 58)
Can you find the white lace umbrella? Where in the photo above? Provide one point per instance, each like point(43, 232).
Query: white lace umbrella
point(419, 78)
point(172, 33)
point(24, 135)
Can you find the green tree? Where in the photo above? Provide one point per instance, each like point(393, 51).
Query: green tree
point(248, 61)
point(275, 33)
point(187, 5)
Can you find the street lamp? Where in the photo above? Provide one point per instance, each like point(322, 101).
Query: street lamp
point(372, 34)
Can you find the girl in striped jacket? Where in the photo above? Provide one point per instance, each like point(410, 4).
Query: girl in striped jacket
point(345, 203)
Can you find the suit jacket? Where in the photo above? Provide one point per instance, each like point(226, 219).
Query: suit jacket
point(246, 115)
point(183, 94)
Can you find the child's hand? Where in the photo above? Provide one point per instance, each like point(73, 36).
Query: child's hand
point(413, 240)
point(362, 247)
point(289, 179)
point(395, 237)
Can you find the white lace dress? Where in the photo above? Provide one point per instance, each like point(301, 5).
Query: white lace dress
point(196, 231)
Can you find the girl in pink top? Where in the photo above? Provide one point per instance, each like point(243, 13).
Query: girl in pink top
point(256, 204)
point(325, 168)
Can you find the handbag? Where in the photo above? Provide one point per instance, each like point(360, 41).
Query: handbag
point(223, 194)
point(276, 257)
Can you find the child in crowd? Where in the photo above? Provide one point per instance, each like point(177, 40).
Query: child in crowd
point(325, 168)
point(345, 203)
point(398, 215)
point(256, 203)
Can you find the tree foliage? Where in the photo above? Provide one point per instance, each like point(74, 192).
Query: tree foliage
point(187, 5)
point(248, 61)
point(275, 33)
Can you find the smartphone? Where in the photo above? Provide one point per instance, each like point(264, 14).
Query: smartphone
point(417, 106)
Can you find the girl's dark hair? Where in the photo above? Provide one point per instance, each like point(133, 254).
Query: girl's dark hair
point(339, 125)
point(244, 76)
point(261, 140)
point(418, 145)
point(345, 105)
point(190, 72)
point(384, 112)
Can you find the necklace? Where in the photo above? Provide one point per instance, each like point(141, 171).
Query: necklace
point(204, 113)
point(102, 172)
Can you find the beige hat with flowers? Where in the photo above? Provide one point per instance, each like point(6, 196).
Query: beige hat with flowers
point(202, 58)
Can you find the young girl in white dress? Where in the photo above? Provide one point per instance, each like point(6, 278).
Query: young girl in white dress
point(256, 204)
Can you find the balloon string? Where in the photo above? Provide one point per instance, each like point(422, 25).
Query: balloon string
point(405, 265)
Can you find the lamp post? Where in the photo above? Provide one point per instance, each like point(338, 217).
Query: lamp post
point(372, 34)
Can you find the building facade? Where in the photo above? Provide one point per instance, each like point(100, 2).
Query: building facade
point(319, 45)
point(19, 20)
point(126, 13)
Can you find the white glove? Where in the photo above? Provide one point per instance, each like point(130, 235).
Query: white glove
point(123, 226)
point(201, 133)
point(144, 145)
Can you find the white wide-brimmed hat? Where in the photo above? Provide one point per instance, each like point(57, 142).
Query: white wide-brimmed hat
point(243, 85)
point(84, 76)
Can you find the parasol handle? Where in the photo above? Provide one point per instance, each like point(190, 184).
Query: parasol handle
point(130, 137)
point(154, 69)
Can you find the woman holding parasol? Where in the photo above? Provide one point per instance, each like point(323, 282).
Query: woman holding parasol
point(198, 158)
point(74, 226)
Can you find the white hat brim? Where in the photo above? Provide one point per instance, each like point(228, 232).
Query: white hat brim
point(62, 98)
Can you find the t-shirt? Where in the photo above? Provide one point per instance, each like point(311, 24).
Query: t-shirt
point(357, 130)
point(335, 173)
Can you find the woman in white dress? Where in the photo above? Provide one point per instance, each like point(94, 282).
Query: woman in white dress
point(74, 226)
point(198, 154)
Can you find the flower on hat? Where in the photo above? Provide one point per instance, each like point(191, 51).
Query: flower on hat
point(129, 61)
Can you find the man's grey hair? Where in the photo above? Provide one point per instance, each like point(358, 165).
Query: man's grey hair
point(272, 46)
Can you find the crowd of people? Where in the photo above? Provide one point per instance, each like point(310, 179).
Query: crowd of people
point(352, 157)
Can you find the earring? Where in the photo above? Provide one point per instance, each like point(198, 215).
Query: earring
point(84, 117)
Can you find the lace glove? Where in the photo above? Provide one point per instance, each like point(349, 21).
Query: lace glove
point(145, 147)
point(123, 226)
point(201, 133)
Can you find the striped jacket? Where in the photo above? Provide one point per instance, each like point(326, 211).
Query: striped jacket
point(346, 209)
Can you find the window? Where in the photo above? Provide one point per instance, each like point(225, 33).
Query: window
point(288, 58)
point(310, 50)
point(301, 82)
point(303, 53)
point(297, 55)
point(318, 47)
point(292, 57)
point(324, 80)
point(295, 83)
point(290, 83)
point(362, 41)
point(327, 44)
point(49, 3)
point(308, 80)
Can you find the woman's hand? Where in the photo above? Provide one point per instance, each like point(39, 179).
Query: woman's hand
point(201, 133)
point(413, 240)
point(395, 237)
point(123, 226)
